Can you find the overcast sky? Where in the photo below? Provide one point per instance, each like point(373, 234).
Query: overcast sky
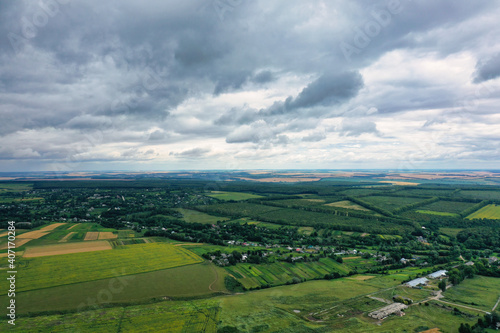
point(238, 84)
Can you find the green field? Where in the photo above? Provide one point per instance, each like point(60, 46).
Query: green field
point(342, 305)
point(436, 213)
point(196, 316)
point(279, 273)
point(483, 195)
point(448, 206)
point(44, 272)
point(390, 203)
point(450, 231)
point(481, 292)
point(187, 281)
point(487, 212)
point(189, 215)
point(236, 196)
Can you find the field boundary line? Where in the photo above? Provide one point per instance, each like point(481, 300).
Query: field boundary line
point(463, 306)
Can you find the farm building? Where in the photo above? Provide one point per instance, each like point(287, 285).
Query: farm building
point(394, 308)
point(417, 282)
point(438, 274)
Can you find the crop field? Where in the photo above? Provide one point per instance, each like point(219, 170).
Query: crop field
point(175, 317)
point(279, 273)
point(390, 203)
point(43, 272)
point(298, 202)
point(18, 242)
point(240, 209)
point(67, 237)
point(73, 226)
point(431, 212)
point(487, 212)
point(189, 215)
point(236, 196)
point(187, 281)
point(347, 204)
point(455, 207)
point(58, 249)
point(91, 235)
point(481, 292)
point(107, 235)
point(483, 195)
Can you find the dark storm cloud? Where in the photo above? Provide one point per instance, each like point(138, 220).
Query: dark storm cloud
point(249, 73)
point(488, 69)
point(264, 77)
point(327, 90)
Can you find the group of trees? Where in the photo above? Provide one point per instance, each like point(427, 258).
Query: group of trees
point(490, 321)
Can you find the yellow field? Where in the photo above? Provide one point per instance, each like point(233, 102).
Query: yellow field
point(361, 277)
point(487, 212)
point(33, 234)
point(68, 236)
point(107, 235)
point(57, 249)
point(91, 235)
point(73, 226)
point(18, 242)
point(52, 226)
point(4, 234)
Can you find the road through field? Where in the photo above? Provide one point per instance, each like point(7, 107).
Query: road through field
point(496, 305)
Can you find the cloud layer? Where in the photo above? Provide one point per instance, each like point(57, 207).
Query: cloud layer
point(92, 85)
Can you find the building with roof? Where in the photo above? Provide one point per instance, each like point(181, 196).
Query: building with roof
point(394, 308)
point(438, 274)
point(417, 282)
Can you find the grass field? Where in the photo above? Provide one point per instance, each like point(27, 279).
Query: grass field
point(189, 215)
point(236, 196)
point(44, 272)
point(342, 303)
point(347, 204)
point(450, 231)
point(58, 249)
point(172, 317)
point(483, 195)
point(436, 213)
point(448, 206)
point(187, 281)
point(480, 292)
point(487, 212)
point(390, 203)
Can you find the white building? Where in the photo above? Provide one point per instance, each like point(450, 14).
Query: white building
point(437, 275)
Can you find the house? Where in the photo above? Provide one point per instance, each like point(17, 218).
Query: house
point(438, 274)
point(416, 282)
point(491, 260)
point(470, 263)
